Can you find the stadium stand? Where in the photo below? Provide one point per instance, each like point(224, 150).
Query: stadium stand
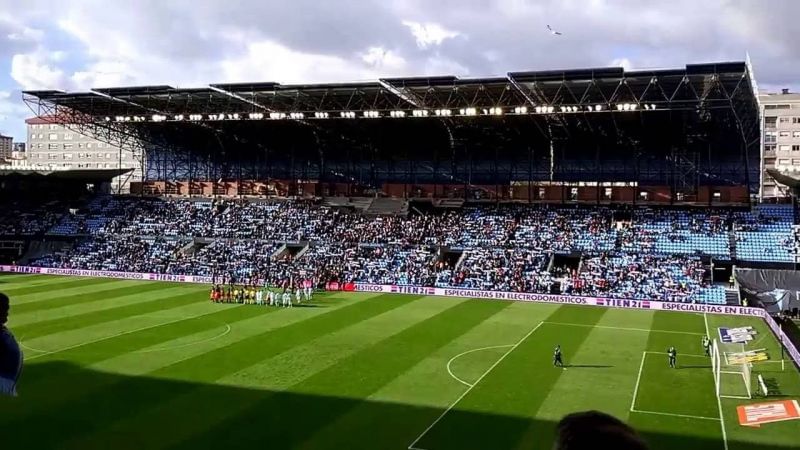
point(645, 253)
point(766, 234)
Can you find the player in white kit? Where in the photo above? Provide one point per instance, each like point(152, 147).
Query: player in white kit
point(287, 298)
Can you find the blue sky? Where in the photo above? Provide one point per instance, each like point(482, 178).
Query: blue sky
point(83, 44)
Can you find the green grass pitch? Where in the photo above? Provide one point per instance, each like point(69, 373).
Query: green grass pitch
point(134, 365)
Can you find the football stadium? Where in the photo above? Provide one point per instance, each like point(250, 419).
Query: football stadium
point(425, 263)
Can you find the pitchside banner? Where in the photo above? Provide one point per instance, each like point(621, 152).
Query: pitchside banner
point(108, 274)
point(563, 299)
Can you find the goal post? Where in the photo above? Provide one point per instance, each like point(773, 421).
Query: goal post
point(732, 376)
point(715, 365)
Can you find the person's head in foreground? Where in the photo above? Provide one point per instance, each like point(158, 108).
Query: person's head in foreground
point(595, 430)
point(10, 355)
point(4, 306)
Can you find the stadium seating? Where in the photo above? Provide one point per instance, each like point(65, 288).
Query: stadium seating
point(652, 253)
point(766, 235)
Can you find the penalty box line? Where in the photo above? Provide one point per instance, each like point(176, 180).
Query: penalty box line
point(606, 327)
point(659, 413)
point(467, 391)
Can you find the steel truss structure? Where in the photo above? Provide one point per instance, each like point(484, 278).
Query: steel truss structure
point(681, 128)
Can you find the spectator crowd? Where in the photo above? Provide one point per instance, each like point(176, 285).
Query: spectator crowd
point(646, 253)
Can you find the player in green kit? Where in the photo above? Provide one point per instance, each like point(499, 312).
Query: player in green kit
point(673, 356)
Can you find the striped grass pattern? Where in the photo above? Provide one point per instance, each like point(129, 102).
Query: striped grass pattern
point(132, 365)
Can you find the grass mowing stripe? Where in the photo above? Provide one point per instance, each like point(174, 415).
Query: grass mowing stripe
point(42, 296)
point(134, 364)
point(292, 417)
point(53, 326)
point(47, 391)
point(687, 390)
point(507, 390)
point(25, 280)
point(101, 292)
point(277, 373)
point(603, 372)
point(64, 283)
point(428, 384)
point(296, 364)
point(68, 310)
point(119, 401)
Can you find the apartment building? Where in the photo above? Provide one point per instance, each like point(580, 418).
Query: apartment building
point(6, 143)
point(55, 145)
point(780, 143)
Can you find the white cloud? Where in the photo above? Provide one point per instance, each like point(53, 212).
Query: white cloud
point(385, 60)
point(36, 71)
point(430, 33)
point(25, 34)
point(12, 110)
point(625, 63)
point(267, 60)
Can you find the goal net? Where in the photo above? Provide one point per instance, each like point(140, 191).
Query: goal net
point(732, 371)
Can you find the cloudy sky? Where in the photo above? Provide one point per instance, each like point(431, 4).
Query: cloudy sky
point(82, 44)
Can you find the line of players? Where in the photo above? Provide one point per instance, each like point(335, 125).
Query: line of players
point(263, 296)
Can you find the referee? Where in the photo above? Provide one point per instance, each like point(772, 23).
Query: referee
point(10, 354)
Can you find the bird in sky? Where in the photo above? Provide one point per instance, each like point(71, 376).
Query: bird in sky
point(553, 32)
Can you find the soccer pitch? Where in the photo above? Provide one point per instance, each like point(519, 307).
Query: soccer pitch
point(131, 365)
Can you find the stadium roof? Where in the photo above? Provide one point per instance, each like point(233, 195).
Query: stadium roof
point(61, 173)
point(691, 125)
point(714, 84)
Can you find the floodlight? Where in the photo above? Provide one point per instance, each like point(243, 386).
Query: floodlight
point(550, 109)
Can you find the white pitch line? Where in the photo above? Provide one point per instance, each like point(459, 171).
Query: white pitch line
point(719, 401)
point(467, 391)
point(188, 344)
point(638, 379)
point(740, 397)
point(682, 354)
point(686, 416)
point(622, 328)
point(93, 341)
point(466, 353)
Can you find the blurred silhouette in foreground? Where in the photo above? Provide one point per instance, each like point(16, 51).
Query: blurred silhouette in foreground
point(10, 354)
point(594, 430)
